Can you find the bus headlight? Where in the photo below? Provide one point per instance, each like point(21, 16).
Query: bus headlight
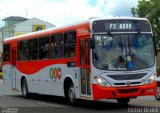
point(151, 79)
point(101, 81)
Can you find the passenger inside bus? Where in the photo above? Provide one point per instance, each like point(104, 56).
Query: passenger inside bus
point(44, 52)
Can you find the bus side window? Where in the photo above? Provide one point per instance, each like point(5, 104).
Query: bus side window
point(56, 46)
point(23, 50)
point(44, 47)
point(33, 49)
point(6, 56)
point(69, 44)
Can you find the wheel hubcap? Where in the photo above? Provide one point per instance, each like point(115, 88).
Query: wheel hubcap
point(158, 93)
point(72, 94)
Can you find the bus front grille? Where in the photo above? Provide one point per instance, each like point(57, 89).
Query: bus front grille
point(125, 84)
point(127, 76)
point(127, 91)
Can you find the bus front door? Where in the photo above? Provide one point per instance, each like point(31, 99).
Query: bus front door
point(13, 71)
point(85, 67)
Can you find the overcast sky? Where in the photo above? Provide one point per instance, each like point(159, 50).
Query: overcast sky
point(62, 12)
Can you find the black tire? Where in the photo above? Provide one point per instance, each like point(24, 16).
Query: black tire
point(123, 100)
point(70, 95)
point(24, 88)
point(157, 97)
point(158, 94)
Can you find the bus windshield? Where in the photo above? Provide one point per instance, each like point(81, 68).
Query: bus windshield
point(123, 51)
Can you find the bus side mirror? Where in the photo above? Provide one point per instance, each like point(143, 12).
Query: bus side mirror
point(92, 43)
point(155, 46)
point(71, 64)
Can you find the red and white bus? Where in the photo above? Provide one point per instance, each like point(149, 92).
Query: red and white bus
point(110, 58)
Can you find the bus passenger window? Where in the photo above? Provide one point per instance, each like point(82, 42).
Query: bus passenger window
point(23, 50)
point(6, 52)
point(56, 46)
point(69, 44)
point(44, 48)
point(33, 49)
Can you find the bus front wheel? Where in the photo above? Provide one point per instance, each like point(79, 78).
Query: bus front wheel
point(24, 88)
point(70, 94)
point(158, 93)
point(123, 100)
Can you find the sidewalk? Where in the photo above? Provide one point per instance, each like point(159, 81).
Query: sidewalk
point(1, 82)
point(7, 90)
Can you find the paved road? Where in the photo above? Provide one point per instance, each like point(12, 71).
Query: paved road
point(12, 102)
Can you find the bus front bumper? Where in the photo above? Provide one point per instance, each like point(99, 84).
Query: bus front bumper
point(100, 92)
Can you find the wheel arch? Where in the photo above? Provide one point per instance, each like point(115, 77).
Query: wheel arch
point(67, 82)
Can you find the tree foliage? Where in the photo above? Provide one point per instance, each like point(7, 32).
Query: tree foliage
point(149, 9)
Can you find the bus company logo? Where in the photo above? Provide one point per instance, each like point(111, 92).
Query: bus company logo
point(55, 73)
point(128, 83)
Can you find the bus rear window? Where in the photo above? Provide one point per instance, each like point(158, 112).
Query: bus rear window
point(6, 53)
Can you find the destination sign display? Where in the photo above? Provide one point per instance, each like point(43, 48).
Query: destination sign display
point(121, 26)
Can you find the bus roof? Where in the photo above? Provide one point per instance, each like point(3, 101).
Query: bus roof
point(118, 18)
point(68, 26)
point(112, 18)
point(46, 31)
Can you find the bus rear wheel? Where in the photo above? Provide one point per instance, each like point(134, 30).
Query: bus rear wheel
point(123, 100)
point(24, 88)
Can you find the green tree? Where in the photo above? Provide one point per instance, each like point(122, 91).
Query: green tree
point(149, 9)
